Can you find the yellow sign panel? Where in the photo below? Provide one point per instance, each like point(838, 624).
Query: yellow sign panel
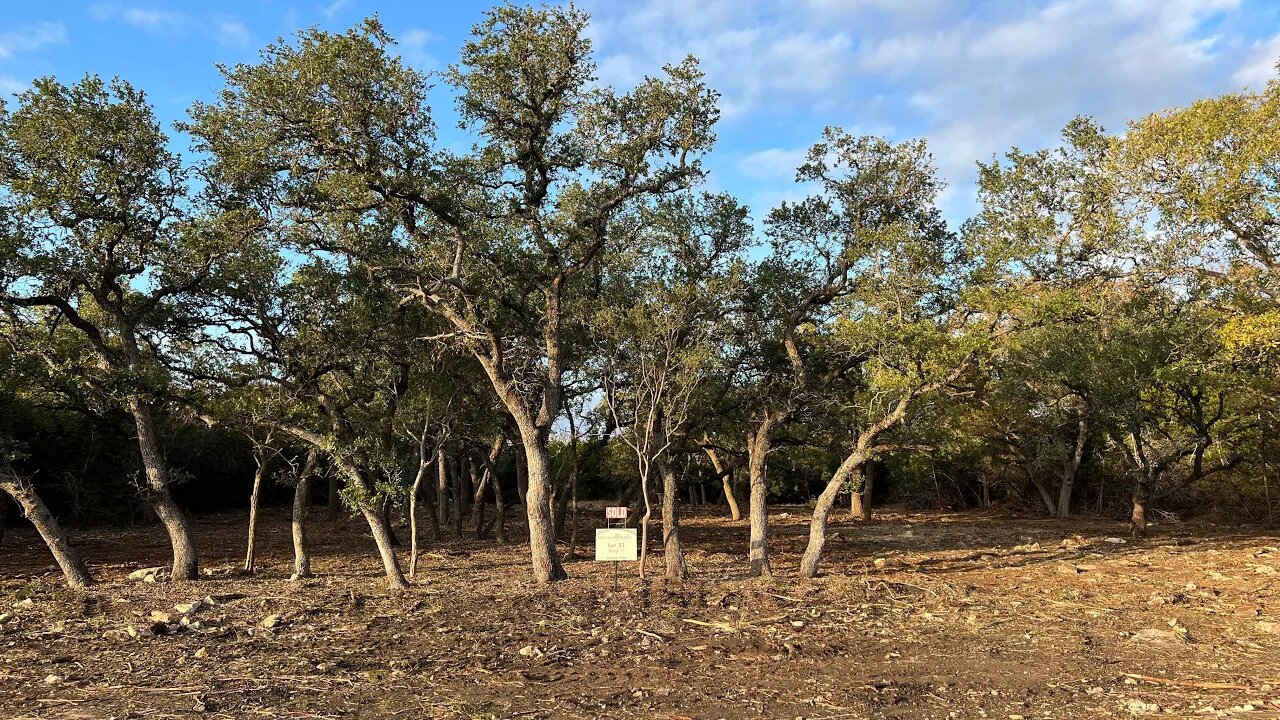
point(617, 544)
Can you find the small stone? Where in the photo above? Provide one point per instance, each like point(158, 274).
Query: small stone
point(159, 616)
point(52, 679)
point(5, 617)
point(24, 603)
point(271, 621)
point(1141, 707)
point(880, 563)
point(144, 573)
point(1159, 636)
point(187, 608)
point(1115, 540)
point(202, 653)
point(527, 650)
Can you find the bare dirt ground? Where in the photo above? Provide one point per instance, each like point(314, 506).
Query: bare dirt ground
point(920, 615)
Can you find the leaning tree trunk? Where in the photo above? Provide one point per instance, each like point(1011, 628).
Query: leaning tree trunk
point(672, 552)
point(725, 473)
point(4, 517)
point(481, 487)
point(258, 474)
point(822, 512)
point(757, 462)
point(186, 564)
point(24, 493)
point(1050, 506)
point(424, 466)
point(386, 517)
point(382, 538)
point(301, 507)
point(377, 527)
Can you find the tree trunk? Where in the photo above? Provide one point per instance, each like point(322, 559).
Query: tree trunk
point(442, 489)
point(572, 554)
point(757, 461)
point(301, 507)
point(186, 564)
point(860, 498)
point(382, 538)
point(644, 519)
point(258, 474)
point(386, 518)
point(455, 513)
point(1045, 494)
point(1071, 467)
point(4, 517)
point(377, 527)
point(468, 478)
point(562, 504)
point(822, 512)
point(488, 480)
point(500, 509)
point(24, 493)
point(725, 474)
point(672, 552)
point(335, 503)
point(481, 487)
point(1138, 518)
point(537, 500)
point(424, 466)
point(522, 476)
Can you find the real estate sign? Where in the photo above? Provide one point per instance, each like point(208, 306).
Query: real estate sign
point(617, 544)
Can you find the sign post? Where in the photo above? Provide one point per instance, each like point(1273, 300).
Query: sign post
point(615, 543)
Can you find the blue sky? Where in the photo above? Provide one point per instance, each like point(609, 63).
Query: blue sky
point(974, 78)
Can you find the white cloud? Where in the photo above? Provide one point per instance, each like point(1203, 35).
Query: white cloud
point(772, 164)
point(1260, 66)
point(985, 84)
point(331, 10)
point(31, 37)
point(974, 79)
point(146, 18)
point(10, 85)
point(414, 43)
point(753, 59)
point(233, 33)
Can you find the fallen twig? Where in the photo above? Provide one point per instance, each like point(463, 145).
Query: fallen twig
point(1204, 685)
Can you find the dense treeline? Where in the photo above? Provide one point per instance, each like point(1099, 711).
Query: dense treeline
point(324, 301)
